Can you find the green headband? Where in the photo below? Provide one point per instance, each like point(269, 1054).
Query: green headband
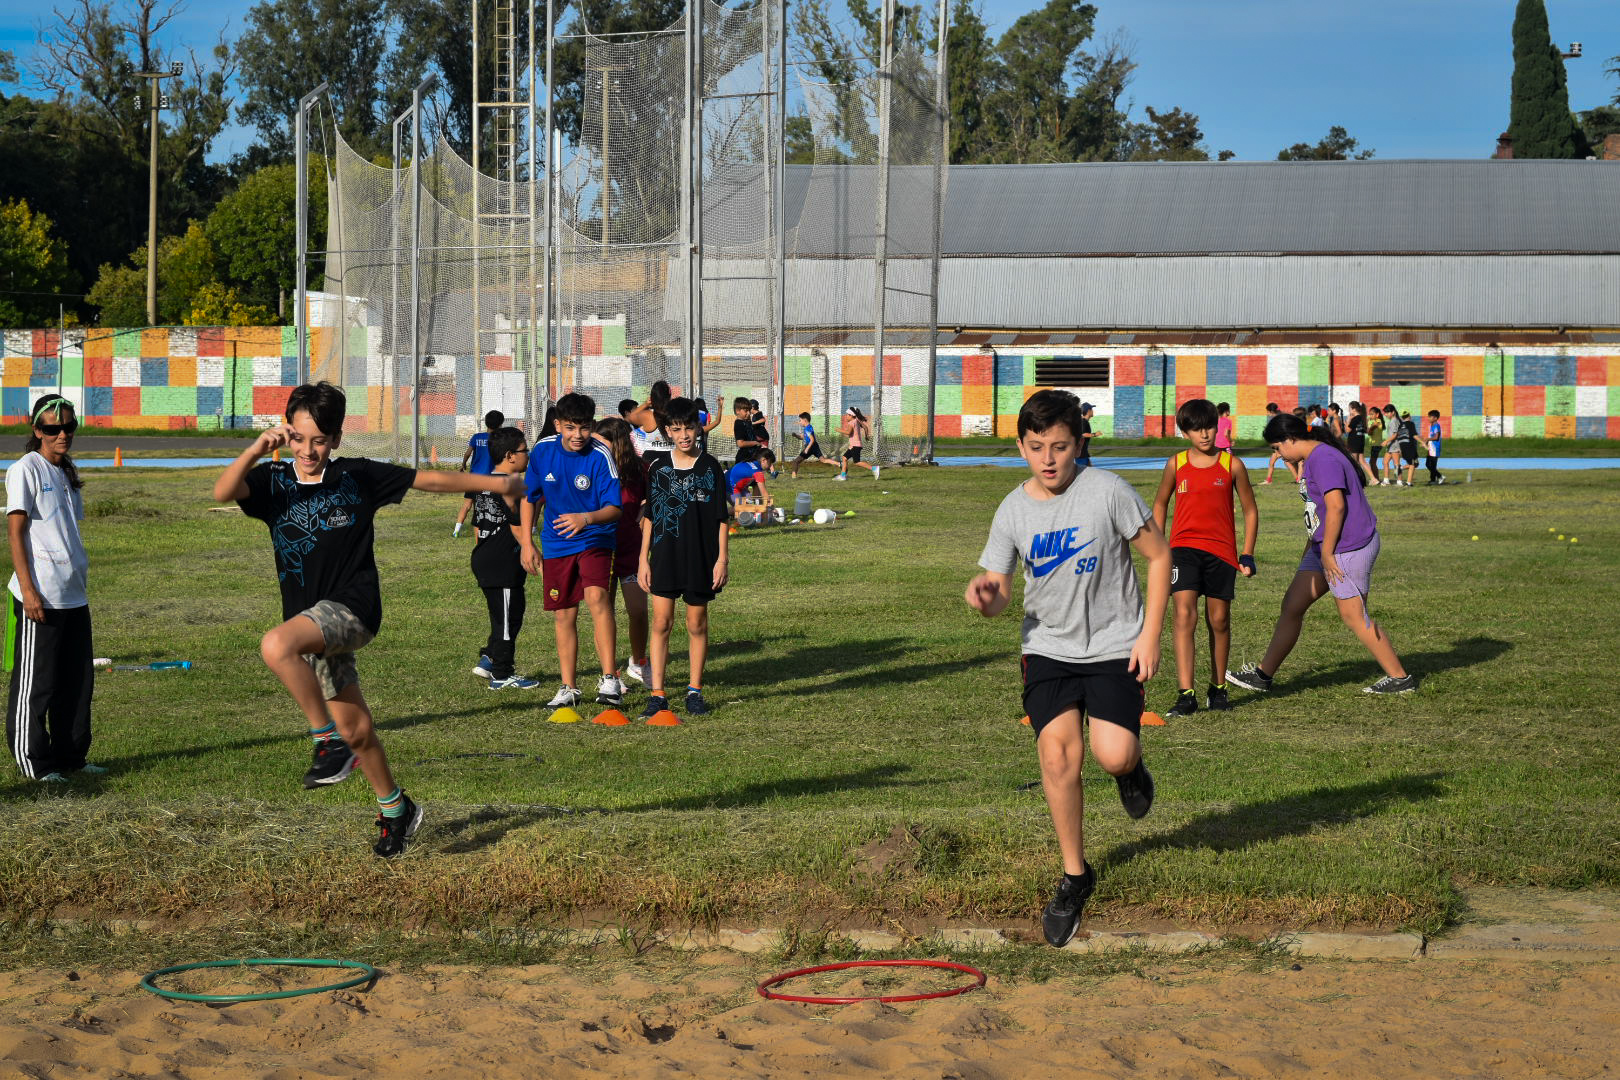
point(51, 404)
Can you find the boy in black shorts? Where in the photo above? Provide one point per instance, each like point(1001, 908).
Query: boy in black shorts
point(1204, 557)
point(742, 426)
point(684, 531)
point(320, 511)
point(497, 565)
point(1088, 642)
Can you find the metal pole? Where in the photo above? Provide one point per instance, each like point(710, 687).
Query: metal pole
point(300, 294)
point(700, 85)
point(552, 171)
point(943, 118)
point(392, 374)
point(416, 269)
point(534, 184)
point(688, 155)
point(880, 254)
point(477, 227)
point(151, 212)
point(773, 356)
point(780, 300)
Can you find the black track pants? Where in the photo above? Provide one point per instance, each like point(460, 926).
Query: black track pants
point(52, 679)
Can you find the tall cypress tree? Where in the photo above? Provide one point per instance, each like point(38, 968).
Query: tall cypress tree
point(1540, 121)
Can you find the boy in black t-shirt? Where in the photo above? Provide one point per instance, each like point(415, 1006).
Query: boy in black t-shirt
point(497, 565)
point(742, 428)
point(683, 549)
point(320, 510)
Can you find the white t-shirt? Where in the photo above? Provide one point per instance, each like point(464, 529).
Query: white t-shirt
point(56, 555)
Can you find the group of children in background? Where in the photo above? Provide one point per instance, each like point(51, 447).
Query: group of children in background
point(1380, 441)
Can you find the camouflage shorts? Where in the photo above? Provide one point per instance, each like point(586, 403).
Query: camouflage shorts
point(345, 634)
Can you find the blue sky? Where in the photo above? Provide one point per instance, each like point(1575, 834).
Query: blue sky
point(1409, 78)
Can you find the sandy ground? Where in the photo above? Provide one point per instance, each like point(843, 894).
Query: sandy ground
point(1383, 1019)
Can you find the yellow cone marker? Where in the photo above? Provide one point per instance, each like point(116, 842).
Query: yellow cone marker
point(1560, 536)
point(565, 715)
point(1474, 537)
point(1574, 539)
point(1551, 529)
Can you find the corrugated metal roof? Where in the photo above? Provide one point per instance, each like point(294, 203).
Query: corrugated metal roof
point(1170, 208)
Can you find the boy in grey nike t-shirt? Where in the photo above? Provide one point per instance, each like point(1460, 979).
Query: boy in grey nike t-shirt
point(1088, 642)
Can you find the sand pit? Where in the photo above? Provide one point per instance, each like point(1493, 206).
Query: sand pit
point(1386, 1019)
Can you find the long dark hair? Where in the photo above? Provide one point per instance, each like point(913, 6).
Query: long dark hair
point(63, 408)
point(616, 431)
point(1286, 426)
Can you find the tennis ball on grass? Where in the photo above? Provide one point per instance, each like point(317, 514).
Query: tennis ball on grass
point(1560, 536)
point(1474, 537)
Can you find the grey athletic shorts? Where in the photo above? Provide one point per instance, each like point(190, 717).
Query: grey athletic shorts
point(345, 635)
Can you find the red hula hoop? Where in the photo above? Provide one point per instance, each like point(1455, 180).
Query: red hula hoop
point(765, 990)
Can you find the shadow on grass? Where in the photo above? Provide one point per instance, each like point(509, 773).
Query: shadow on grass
point(1364, 670)
point(489, 824)
point(1292, 815)
point(791, 672)
point(135, 763)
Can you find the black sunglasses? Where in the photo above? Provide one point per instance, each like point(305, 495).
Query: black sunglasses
point(56, 429)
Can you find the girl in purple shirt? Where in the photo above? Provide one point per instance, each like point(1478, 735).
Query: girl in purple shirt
point(1341, 547)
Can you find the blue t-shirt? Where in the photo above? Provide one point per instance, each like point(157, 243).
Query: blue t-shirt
point(740, 476)
point(1434, 436)
point(571, 483)
point(480, 453)
point(808, 434)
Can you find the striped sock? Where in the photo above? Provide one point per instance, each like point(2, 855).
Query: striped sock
point(322, 734)
point(690, 689)
point(394, 805)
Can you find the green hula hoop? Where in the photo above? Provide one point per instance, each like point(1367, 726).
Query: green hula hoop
point(367, 973)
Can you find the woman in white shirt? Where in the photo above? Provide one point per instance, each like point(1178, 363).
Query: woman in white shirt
point(52, 675)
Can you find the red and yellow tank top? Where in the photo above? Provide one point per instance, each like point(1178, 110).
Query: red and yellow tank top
point(1203, 507)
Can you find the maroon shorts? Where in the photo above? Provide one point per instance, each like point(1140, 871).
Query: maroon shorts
point(627, 561)
point(568, 576)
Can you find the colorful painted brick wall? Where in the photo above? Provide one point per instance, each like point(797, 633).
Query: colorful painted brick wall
point(240, 377)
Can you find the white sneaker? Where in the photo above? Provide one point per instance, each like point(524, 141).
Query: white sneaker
point(876, 469)
point(841, 476)
point(610, 691)
point(53, 778)
point(636, 671)
point(566, 695)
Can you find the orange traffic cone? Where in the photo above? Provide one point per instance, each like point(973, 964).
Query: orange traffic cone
point(663, 718)
point(612, 718)
point(1152, 719)
point(1025, 720)
point(118, 457)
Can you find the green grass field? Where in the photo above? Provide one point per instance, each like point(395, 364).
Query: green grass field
point(865, 766)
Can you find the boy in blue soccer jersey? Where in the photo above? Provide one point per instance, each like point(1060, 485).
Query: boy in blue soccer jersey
point(320, 511)
point(1088, 644)
point(811, 451)
point(478, 455)
point(749, 473)
point(571, 476)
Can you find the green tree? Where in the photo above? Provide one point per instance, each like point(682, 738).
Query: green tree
point(1336, 145)
point(1598, 124)
point(971, 69)
point(254, 232)
point(218, 304)
point(290, 47)
point(1099, 125)
point(1539, 118)
point(33, 267)
point(1169, 136)
point(186, 265)
point(1031, 101)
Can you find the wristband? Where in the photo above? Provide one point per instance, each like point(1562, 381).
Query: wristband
point(1247, 562)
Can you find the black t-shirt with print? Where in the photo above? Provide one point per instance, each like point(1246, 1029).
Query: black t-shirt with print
point(497, 561)
point(742, 431)
point(686, 508)
point(322, 532)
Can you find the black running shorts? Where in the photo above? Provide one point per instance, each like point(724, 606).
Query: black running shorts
point(852, 453)
point(1102, 690)
point(1197, 570)
point(690, 597)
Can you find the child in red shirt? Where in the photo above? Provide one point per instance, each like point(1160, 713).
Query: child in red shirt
point(1203, 547)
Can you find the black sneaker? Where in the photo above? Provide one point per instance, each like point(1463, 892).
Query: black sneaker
point(695, 705)
point(1136, 790)
point(1186, 704)
point(655, 705)
point(1250, 677)
point(1062, 916)
point(397, 831)
point(1215, 699)
point(1391, 685)
point(333, 763)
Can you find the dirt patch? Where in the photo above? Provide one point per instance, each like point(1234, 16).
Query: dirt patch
point(1500, 1019)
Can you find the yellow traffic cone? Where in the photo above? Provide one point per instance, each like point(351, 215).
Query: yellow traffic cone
point(565, 715)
